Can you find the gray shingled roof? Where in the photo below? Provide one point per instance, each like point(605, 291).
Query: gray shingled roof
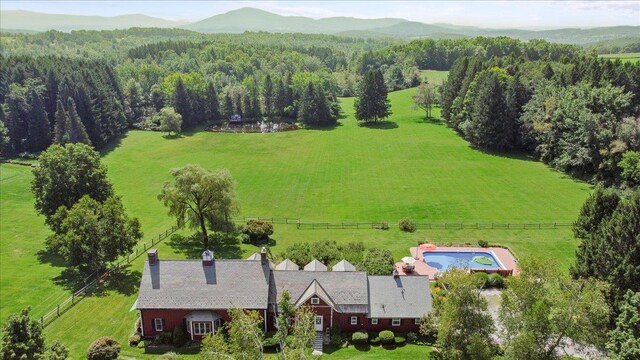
point(287, 265)
point(348, 290)
point(343, 265)
point(315, 265)
point(187, 284)
point(401, 297)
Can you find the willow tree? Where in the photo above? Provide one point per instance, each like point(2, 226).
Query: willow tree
point(198, 197)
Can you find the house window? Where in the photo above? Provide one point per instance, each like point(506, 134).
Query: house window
point(201, 327)
point(374, 321)
point(315, 301)
point(354, 320)
point(395, 322)
point(158, 323)
point(416, 321)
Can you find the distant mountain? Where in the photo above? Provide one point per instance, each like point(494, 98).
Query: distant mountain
point(250, 19)
point(34, 21)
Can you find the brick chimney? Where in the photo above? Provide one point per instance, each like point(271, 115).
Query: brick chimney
point(207, 258)
point(396, 274)
point(263, 256)
point(153, 256)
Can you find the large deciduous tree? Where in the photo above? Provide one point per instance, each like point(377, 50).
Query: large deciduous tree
point(304, 333)
point(90, 234)
point(170, 120)
point(377, 262)
point(200, 197)
point(372, 103)
point(22, 338)
point(65, 174)
point(544, 310)
point(426, 97)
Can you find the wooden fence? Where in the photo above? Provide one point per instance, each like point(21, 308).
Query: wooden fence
point(94, 279)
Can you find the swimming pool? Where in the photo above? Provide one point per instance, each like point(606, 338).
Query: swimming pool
point(444, 260)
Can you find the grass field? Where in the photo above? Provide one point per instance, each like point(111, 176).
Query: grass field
point(629, 57)
point(406, 167)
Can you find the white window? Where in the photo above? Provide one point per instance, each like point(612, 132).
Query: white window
point(201, 327)
point(158, 324)
point(416, 321)
point(315, 301)
point(395, 322)
point(354, 320)
point(374, 321)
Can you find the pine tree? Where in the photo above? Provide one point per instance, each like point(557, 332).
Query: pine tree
point(372, 103)
point(61, 128)
point(17, 112)
point(77, 132)
point(182, 104)
point(51, 97)
point(133, 103)
point(280, 101)
point(212, 105)
point(228, 106)
point(267, 94)
point(39, 133)
point(307, 106)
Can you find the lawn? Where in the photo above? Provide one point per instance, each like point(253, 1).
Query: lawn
point(435, 77)
point(378, 352)
point(405, 167)
point(628, 57)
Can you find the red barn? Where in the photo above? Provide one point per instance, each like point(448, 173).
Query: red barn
point(198, 294)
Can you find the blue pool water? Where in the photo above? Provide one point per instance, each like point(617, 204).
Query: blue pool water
point(444, 260)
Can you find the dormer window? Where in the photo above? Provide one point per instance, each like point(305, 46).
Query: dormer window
point(315, 301)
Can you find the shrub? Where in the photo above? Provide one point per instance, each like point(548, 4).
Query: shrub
point(483, 243)
point(103, 348)
point(134, 340)
point(412, 337)
point(169, 356)
point(179, 336)
point(257, 231)
point(359, 337)
point(386, 336)
point(481, 279)
point(374, 340)
point(496, 280)
point(164, 338)
point(399, 340)
point(335, 335)
point(407, 225)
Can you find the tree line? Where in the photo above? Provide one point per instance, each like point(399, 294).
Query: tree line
point(580, 115)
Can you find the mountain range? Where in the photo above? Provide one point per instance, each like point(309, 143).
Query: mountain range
point(251, 19)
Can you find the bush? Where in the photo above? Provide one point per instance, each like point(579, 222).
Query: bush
point(399, 340)
point(164, 338)
point(257, 231)
point(104, 348)
point(134, 340)
point(335, 335)
point(179, 336)
point(496, 280)
point(412, 337)
point(483, 243)
point(169, 356)
point(374, 340)
point(359, 337)
point(407, 225)
point(481, 279)
point(386, 336)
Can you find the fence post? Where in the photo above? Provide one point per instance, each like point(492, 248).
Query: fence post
point(73, 298)
point(42, 321)
point(58, 310)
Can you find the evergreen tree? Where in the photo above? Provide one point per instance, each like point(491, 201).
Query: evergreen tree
point(547, 71)
point(452, 86)
point(83, 107)
point(61, 128)
point(182, 104)
point(624, 340)
point(134, 102)
point(77, 132)
point(212, 107)
point(280, 101)
point(307, 107)
point(4, 132)
point(17, 108)
point(372, 103)
point(228, 105)
point(22, 338)
point(51, 96)
point(268, 96)
point(39, 133)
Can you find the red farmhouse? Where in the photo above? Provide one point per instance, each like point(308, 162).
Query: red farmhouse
point(198, 294)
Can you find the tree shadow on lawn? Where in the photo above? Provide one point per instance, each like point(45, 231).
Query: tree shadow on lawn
point(431, 120)
point(123, 282)
point(516, 155)
point(172, 136)
point(224, 246)
point(113, 144)
point(47, 256)
point(380, 125)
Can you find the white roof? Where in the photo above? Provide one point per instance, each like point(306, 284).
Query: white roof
point(315, 265)
point(343, 265)
point(287, 265)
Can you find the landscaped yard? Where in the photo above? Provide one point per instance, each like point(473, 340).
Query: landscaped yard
point(405, 167)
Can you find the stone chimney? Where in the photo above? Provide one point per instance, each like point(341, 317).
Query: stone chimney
point(207, 258)
point(153, 256)
point(263, 256)
point(396, 274)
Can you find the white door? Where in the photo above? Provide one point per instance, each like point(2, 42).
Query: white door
point(318, 326)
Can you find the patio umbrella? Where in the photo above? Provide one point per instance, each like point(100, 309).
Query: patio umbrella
point(408, 260)
point(427, 247)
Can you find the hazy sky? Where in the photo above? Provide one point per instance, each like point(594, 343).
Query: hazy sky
point(522, 14)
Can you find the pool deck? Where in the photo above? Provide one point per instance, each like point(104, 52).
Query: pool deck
point(421, 268)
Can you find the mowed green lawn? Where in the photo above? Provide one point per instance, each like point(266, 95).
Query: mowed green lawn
point(628, 57)
point(407, 168)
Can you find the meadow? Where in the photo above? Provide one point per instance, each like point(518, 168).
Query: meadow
point(628, 57)
point(407, 166)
